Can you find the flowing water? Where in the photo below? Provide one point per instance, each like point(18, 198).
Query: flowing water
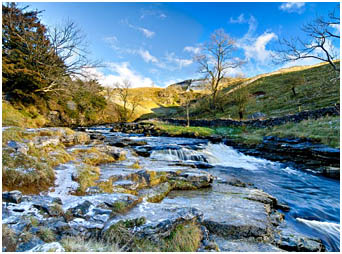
point(314, 200)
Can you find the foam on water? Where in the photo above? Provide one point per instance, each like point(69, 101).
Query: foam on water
point(182, 154)
point(222, 155)
point(322, 226)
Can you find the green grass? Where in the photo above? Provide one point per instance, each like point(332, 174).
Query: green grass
point(325, 130)
point(184, 238)
point(21, 118)
point(319, 90)
point(181, 130)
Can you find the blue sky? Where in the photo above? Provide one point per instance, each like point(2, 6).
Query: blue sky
point(154, 43)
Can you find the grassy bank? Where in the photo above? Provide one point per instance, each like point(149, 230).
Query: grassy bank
point(325, 130)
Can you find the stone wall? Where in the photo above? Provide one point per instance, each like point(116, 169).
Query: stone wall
point(304, 115)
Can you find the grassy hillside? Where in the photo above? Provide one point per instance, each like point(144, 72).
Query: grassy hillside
point(319, 90)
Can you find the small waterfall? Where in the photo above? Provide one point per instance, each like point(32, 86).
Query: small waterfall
point(182, 154)
point(325, 229)
point(220, 154)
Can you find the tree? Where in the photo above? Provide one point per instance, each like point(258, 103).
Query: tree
point(293, 81)
point(186, 97)
point(38, 60)
point(26, 51)
point(215, 61)
point(129, 101)
point(241, 97)
point(316, 42)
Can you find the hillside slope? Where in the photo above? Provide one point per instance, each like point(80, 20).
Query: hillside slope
point(272, 96)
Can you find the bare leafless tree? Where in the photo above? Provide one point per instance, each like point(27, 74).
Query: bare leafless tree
point(215, 61)
point(185, 99)
point(69, 44)
point(129, 101)
point(316, 42)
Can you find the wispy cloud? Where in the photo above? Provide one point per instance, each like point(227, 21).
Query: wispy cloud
point(180, 62)
point(152, 12)
point(120, 71)
point(145, 54)
point(254, 46)
point(292, 7)
point(191, 49)
point(239, 20)
point(112, 41)
point(146, 32)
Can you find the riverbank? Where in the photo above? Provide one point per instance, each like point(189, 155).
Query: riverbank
point(109, 195)
point(310, 144)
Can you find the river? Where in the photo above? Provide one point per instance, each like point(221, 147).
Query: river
point(314, 200)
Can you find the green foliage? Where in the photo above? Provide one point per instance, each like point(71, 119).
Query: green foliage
point(28, 59)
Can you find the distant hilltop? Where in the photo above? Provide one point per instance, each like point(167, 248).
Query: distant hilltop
point(194, 84)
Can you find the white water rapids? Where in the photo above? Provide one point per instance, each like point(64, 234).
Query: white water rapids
point(215, 154)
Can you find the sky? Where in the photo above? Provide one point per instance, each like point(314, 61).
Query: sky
point(153, 44)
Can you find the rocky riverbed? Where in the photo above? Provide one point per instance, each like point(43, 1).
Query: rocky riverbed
point(118, 192)
point(303, 153)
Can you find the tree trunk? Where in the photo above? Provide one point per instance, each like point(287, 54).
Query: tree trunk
point(240, 115)
point(187, 116)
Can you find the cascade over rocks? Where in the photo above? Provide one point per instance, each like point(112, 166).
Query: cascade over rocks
point(148, 202)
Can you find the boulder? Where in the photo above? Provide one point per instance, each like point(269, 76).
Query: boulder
point(12, 196)
point(48, 247)
point(18, 146)
point(289, 240)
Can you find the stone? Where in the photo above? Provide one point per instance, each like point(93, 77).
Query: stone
point(289, 240)
point(282, 207)
point(246, 218)
point(43, 141)
point(256, 115)
point(157, 193)
point(333, 172)
point(192, 179)
point(18, 147)
point(29, 245)
point(160, 221)
point(48, 247)
point(80, 209)
point(244, 245)
point(12, 196)
point(71, 105)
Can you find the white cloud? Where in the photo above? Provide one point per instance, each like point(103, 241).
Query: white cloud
point(122, 71)
point(337, 28)
point(258, 50)
point(172, 58)
point(239, 20)
point(292, 7)
point(194, 50)
point(145, 54)
point(254, 46)
point(162, 16)
point(152, 12)
point(112, 41)
point(146, 32)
